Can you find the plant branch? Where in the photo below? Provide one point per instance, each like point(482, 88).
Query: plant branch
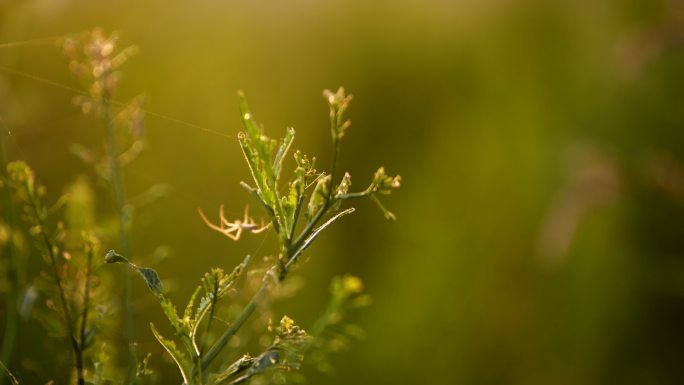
point(212, 309)
point(86, 305)
point(355, 195)
point(11, 293)
point(263, 291)
point(312, 223)
point(239, 321)
point(11, 377)
point(295, 217)
point(60, 288)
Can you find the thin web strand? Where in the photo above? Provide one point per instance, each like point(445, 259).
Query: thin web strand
point(37, 41)
point(113, 102)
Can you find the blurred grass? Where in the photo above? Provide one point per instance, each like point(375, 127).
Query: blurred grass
point(476, 104)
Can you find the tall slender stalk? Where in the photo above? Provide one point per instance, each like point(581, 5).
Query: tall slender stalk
point(95, 59)
point(68, 319)
point(11, 295)
point(118, 188)
point(86, 307)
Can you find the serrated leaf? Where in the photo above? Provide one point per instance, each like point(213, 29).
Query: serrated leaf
point(188, 309)
point(181, 360)
point(169, 310)
point(216, 285)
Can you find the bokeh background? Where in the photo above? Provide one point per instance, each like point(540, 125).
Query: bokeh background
point(540, 231)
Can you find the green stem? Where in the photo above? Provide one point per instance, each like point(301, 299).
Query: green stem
point(58, 281)
point(214, 298)
point(361, 194)
point(198, 361)
point(309, 226)
point(237, 324)
point(117, 184)
point(10, 333)
point(295, 217)
point(11, 377)
point(330, 199)
point(11, 294)
point(333, 164)
point(84, 315)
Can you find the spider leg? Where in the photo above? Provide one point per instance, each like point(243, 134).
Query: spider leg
point(246, 219)
point(234, 229)
point(230, 229)
point(208, 223)
point(238, 232)
point(227, 228)
point(222, 215)
point(261, 229)
point(248, 224)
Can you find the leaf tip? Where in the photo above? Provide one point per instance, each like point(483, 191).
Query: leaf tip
point(114, 257)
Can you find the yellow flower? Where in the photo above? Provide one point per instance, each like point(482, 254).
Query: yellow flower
point(352, 284)
point(286, 324)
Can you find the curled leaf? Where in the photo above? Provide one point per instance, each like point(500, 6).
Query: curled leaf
point(113, 257)
point(151, 279)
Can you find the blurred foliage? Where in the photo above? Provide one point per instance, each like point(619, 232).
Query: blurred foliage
point(539, 237)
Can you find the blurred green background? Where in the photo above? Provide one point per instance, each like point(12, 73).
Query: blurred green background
point(540, 231)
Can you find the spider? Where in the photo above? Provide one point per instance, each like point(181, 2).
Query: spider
point(233, 230)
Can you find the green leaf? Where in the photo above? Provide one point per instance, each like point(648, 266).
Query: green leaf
point(216, 285)
point(187, 314)
point(315, 235)
point(181, 326)
point(319, 196)
point(151, 279)
point(285, 144)
point(169, 310)
point(113, 257)
point(253, 163)
point(237, 367)
point(266, 360)
point(262, 144)
point(181, 360)
point(149, 275)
